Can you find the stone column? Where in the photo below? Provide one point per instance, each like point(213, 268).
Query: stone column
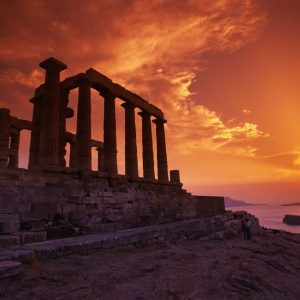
point(49, 148)
point(73, 162)
point(162, 162)
point(13, 161)
point(100, 158)
point(35, 132)
point(5, 123)
point(110, 139)
point(83, 136)
point(148, 161)
point(131, 161)
point(175, 176)
point(63, 114)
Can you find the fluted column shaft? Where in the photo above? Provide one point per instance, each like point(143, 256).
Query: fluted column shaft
point(14, 149)
point(110, 138)
point(49, 148)
point(148, 160)
point(5, 123)
point(35, 132)
point(131, 162)
point(162, 162)
point(83, 136)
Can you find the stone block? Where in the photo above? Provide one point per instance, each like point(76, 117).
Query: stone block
point(128, 239)
point(48, 249)
point(9, 268)
point(78, 215)
point(9, 240)
point(110, 242)
point(24, 255)
point(77, 193)
point(67, 208)
point(91, 200)
point(9, 223)
point(93, 242)
point(43, 210)
point(74, 245)
point(33, 237)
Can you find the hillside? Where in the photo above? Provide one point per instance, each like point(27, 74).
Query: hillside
point(229, 202)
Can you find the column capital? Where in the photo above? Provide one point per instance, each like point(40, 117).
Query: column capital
point(53, 63)
point(33, 100)
point(128, 105)
point(144, 113)
point(106, 93)
point(84, 80)
point(65, 92)
point(15, 131)
point(69, 112)
point(159, 121)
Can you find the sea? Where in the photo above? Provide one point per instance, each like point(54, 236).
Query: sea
point(271, 216)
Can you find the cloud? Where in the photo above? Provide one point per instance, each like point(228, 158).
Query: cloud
point(127, 34)
point(284, 160)
point(247, 111)
point(192, 126)
point(156, 48)
point(31, 80)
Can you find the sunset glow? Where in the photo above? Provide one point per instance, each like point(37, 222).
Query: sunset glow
point(226, 73)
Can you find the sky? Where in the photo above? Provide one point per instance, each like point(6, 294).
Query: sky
point(226, 74)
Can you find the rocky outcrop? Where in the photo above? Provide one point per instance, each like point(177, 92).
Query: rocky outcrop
point(291, 219)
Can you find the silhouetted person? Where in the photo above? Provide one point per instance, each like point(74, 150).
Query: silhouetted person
point(248, 229)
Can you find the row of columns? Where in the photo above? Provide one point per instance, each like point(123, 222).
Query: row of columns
point(48, 142)
point(110, 141)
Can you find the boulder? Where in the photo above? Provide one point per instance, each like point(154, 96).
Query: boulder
point(291, 219)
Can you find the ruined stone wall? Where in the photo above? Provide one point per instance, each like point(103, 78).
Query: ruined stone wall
point(94, 202)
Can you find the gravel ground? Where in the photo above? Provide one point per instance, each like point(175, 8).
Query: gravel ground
point(267, 267)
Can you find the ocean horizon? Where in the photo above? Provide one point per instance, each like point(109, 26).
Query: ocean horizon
point(271, 216)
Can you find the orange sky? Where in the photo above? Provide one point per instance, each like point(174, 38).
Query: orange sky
point(225, 72)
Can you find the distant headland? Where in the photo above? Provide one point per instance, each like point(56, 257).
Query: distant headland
point(229, 202)
point(291, 204)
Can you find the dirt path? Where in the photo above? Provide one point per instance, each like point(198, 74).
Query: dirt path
point(267, 267)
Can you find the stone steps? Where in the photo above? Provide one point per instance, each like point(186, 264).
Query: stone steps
point(142, 236)
point(9, 268)
point(23, 237)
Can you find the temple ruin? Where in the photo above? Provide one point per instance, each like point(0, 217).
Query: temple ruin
point(50, 199)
